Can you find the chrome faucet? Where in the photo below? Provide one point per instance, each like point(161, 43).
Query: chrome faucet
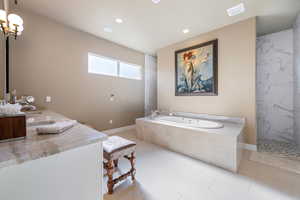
point(27, 103)
point(154, 113)
point(171, 113)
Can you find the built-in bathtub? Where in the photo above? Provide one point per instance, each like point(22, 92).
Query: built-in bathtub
point(190, 122)
point(212, 139)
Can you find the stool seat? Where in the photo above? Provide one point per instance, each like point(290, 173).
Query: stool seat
point(116, 147)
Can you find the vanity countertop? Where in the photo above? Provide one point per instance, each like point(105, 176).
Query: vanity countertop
point(36, 146)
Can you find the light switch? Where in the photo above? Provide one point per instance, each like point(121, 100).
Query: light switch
point(111, 121)
point(48, 99)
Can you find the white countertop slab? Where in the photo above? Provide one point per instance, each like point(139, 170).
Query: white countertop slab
point(37, 146)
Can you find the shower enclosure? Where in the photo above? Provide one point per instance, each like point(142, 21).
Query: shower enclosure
point(278, 92)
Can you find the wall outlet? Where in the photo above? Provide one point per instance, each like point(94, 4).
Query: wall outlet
point(112, 97)
point(111, 121)
point(48, 99)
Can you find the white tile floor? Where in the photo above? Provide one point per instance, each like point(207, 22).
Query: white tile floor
point(165, 175)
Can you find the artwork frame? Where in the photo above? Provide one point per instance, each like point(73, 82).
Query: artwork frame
point(194, 85)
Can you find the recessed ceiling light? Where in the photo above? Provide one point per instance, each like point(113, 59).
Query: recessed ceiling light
point(107, 29)
point(236, 10)
point(186, 30)
point(119, 20)
point(156, 1)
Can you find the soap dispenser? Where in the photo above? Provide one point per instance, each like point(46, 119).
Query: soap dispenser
point(14, 96)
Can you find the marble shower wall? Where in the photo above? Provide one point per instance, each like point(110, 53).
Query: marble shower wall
point(297, 79)
point(275, 107)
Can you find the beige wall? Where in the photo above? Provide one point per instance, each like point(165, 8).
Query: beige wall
point(236, 76)
point(52, 59)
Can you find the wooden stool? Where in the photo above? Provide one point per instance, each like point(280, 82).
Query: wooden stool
point(116, 147)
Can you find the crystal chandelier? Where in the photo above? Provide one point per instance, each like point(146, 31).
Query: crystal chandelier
point(11, 24)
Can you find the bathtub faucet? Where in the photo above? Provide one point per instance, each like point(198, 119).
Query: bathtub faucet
point(154, 113)
point(171, 113)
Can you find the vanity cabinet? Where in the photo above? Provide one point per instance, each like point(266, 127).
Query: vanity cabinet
point(12, 127)
point(67, 166)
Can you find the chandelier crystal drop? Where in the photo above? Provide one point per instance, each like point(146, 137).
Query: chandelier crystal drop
point(2, 15)
point(11, 24)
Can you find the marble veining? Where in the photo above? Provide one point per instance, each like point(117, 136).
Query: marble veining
point(275, 107)
point(37, 146)
point(297, 80)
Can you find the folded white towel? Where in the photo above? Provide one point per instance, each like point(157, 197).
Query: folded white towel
point(41, 122)
point(56, 128)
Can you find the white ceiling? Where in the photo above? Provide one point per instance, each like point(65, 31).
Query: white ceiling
point(148, 26)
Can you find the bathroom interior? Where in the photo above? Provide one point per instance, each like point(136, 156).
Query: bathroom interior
point(150, 100)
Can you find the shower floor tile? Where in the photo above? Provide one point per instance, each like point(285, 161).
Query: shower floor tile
point(279, 148)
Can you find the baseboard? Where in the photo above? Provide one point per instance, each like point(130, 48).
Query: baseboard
point(250, 147)
point(117, 130)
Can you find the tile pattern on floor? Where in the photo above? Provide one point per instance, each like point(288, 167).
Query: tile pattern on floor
point(280, 149)
point(165, 175)
point(284, 163)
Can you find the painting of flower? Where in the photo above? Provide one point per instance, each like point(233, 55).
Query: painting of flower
point(196, 70)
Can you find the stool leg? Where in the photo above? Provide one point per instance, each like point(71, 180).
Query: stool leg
point(116, 162)
point(110, 172)
point(132, 162)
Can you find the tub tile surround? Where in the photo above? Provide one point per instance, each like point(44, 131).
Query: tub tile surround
point(275, 107)
point(221, 147)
